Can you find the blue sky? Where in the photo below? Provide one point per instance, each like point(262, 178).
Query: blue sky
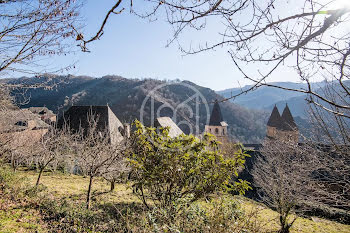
point(135, 48)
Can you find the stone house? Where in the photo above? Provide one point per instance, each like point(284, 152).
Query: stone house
point(77, 118)
point(20, 128)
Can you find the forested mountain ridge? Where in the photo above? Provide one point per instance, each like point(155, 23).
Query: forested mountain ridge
point(265, 98)
point(125, 97)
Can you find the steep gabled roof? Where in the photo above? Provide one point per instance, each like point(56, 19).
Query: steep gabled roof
point(288, 123)
point(275, 118)
point(78, 116)
point(216, 116)
point(174, 130)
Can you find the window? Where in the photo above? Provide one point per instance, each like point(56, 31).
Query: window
point(21, 123)
point(216, 130)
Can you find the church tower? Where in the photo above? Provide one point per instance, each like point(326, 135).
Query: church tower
point(273, 124)
point(288, 128)
point(282, 127)
point(217, 126)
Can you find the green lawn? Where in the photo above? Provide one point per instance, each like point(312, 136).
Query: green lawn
point(62, 185)
point(16, 217)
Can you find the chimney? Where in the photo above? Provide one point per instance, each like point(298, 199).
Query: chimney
point(126, 130)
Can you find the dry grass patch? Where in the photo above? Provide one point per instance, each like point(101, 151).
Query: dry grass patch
point(75, 186)
point(301, 225)
point(58, 186)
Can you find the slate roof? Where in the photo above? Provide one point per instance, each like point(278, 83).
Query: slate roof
point(287, 123)
point(77, 116)
point(17, 120)
point(216, 116)
point(275, 118)
point(174, 130)
point(41, 111)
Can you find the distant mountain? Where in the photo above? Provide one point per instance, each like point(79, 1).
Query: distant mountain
point(298, 106)
point(126, 96)
point(265, 98)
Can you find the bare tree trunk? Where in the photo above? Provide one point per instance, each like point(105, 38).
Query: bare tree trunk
point(39, 176)
point(284, 229)
point(89, 193)
point(284, 225)
point(112, 185)
point(143, 198)
point(13, 163)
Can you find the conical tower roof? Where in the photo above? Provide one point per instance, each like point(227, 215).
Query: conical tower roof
point(288, 123)
point(216, 116)
point(275, 118)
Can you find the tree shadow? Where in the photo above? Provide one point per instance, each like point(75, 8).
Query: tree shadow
point(120, 210)
point(95, 193)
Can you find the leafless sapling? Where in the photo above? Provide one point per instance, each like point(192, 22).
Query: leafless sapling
point(52, 148)
point(95, 154)
point(285, 179)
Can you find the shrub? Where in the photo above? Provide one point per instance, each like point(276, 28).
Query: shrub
point(34, 191)
point(10, 183)
point(6, 177)
point(219, 215)
point(167, 170)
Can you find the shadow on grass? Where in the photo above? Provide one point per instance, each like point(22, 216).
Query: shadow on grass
point(121, 209)
point(69, 213)
point(95, 193)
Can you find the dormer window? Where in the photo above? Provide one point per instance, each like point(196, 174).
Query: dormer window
point(21, 123)
point(43, 112)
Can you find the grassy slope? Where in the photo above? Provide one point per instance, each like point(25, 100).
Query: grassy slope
point(17, 218)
